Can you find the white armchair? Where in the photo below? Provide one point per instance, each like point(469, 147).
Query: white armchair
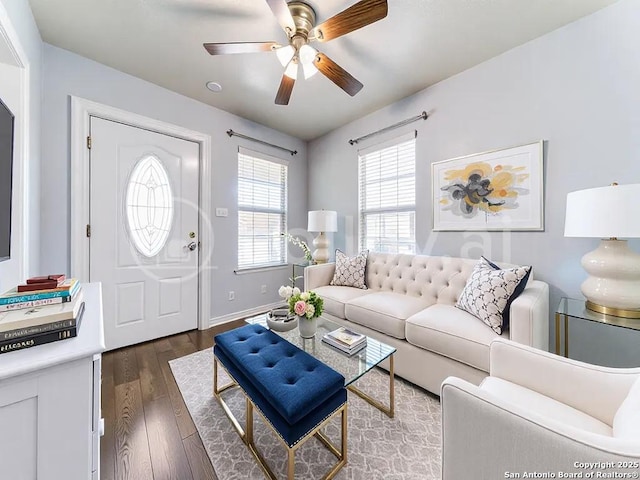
point(541, 413)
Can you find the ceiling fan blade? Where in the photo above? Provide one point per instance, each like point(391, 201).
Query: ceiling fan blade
point(284, 92)
point(337, 74)
point(281, 11)
point(239, 47)
point(356, 16)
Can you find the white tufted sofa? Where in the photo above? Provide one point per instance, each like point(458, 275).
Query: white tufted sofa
point(409, 304)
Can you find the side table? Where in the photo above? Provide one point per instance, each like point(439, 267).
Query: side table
point(298, 266)
point(572, 308)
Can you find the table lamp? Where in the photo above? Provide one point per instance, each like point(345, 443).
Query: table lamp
point(322, 221)
point(613, 284)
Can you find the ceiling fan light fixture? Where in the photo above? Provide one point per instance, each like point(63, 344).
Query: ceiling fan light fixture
point(309, 70)
point(307, 54)
point(285, 54)
point(292, 70)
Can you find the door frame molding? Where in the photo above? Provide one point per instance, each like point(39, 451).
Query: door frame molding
point(81, 112)
point(23, 200)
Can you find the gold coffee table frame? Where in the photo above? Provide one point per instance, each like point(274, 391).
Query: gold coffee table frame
point(246, 434)
point(388, 410)
point(352, 367)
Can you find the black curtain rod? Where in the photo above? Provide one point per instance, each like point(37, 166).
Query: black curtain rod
point(231, 133)
point(422, 116)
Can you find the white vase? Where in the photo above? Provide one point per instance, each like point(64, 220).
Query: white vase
point(308, 327)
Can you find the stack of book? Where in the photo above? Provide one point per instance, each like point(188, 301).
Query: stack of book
point(345, 340)
point(44, 310)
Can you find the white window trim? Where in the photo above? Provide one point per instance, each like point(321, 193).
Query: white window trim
point(280, 161)
point(374, 148)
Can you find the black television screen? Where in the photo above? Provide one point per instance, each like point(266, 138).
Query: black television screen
point(6, 175)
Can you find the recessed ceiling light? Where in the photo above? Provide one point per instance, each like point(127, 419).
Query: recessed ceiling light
point(214, 87)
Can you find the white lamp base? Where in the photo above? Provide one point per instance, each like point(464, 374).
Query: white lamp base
point(613, 285)
point(321, 253)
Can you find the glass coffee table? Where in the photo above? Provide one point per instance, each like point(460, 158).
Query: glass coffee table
point(352, 367)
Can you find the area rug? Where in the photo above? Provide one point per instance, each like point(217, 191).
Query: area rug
point(405, 447)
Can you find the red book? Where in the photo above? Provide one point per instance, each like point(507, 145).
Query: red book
point(60, 278)
point(32, 287)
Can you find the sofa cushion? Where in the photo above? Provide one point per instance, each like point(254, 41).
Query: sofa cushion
point(543, 405)
point(350, 271)
point(488, 292)
point(506, 313)
point(335, 297)
point(626, 422)
point(384, 312)
point(432, 279)
point(451, 332)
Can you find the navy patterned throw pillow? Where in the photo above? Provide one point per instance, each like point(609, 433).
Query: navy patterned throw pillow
point(350, 271)
point(490, 290)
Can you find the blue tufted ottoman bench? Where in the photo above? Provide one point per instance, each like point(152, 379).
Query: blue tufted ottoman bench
point(295, 393)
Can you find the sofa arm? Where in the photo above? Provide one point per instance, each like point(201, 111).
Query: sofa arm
point(318, 275)
point(486, 437)
point(594, 390)
point(529, 316)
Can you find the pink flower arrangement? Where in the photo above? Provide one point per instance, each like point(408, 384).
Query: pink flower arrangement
point(300, 308)
point(303, 304)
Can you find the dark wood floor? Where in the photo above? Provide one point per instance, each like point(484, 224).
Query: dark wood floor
point(149, 433)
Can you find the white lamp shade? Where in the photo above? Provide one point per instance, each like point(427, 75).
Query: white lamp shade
point(309, 70)
point(323, 221)
point(285, 54)
point(307, 54)
point(292, 70)
point(604, 212)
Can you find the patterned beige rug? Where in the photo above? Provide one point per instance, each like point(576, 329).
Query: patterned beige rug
point(405, 447)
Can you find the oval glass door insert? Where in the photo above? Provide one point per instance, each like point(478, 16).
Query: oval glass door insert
point(149, 204)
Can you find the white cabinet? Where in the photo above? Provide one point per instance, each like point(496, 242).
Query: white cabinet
point(50, 404)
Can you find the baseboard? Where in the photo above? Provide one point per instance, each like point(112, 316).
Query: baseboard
point(230, 317)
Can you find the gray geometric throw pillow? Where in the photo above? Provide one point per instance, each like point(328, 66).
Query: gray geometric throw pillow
point(350, 271)
point(488, 292)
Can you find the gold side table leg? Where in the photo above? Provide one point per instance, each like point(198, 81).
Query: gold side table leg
point(557, 334)
point(566, 336)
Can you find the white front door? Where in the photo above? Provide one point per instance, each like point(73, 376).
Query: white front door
point(144, 231)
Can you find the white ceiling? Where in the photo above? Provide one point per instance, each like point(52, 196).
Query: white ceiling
point(419, 43)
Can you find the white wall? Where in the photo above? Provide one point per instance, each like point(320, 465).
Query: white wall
point(70, 74)
point(577, 88)
point(20, 90)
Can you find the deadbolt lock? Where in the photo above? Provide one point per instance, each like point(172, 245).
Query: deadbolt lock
point(192, 234)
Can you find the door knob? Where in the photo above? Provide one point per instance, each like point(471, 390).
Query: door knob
point(192, 246)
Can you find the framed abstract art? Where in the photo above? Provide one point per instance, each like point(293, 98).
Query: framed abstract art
point(497, 190)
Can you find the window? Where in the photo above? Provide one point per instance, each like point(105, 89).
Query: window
point(262, 210)
point(149, 204)
point(388, 196)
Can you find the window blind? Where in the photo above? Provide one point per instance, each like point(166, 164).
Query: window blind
point(262, 210)
point(387, 185)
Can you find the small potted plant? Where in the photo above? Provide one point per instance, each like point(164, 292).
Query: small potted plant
point(307, 306)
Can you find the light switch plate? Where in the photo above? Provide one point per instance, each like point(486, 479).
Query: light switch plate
point(222, 212)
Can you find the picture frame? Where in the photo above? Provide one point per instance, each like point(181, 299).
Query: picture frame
point(500, 190)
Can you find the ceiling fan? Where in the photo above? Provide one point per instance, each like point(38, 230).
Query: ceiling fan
point(298, 20)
